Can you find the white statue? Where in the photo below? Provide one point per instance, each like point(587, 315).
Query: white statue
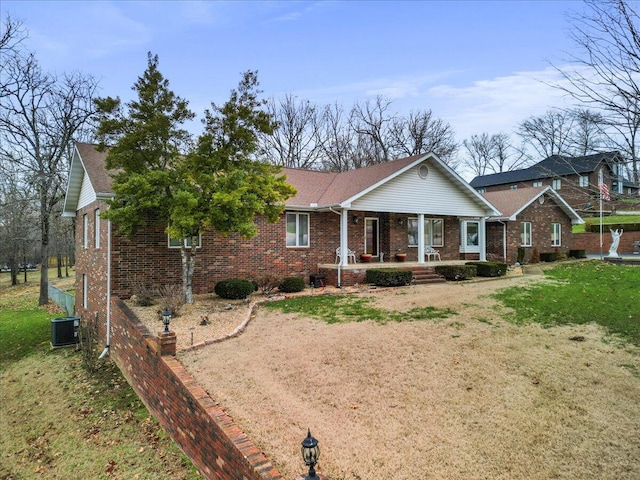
point(613, 249)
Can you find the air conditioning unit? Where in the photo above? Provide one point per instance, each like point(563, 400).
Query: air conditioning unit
point(64, 331)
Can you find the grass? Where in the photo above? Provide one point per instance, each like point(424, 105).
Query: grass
point(348, 308)
point(608, 220)
point(581, 293)
point(59, 422)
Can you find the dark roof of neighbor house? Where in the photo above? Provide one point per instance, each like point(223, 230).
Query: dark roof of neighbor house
point(511, 202)
point(550, 167)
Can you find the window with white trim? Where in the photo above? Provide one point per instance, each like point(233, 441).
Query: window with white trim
point(96, 224)
point(525, 234)
point(85, 291)
point(469, 236)
point(556, 184)
point(297, 229)
point(433, 232)
point(177, 242)
point(583, 181)
point(481, 190)
point(537, 183)
point(85, 231)
point(513, 187)
point(556, 234)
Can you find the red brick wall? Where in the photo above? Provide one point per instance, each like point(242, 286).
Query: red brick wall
point(590, 242)
point(205, 433)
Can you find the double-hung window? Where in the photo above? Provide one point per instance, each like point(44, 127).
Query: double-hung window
point(537, 183)
point(556, 184)
point(556, 234)
point(85, 231)
point(433, 232)
point(583, 181)
point(96, 224)
point(525, 234)
point(297, 229)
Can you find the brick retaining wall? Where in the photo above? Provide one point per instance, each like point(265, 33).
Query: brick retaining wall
point(590, 242)
point(204, 432)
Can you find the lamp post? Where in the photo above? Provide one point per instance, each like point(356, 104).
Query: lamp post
point(166, 319)
point(310, 455)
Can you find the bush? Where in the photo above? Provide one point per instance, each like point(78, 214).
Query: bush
point(548, 256)
point(171, 297)
point(577, 254)
point(489, 269)
point(521, 253)
point(267, 283)
point(386, 277)
point(456, 272)
point(291, 285)
point(234, 289)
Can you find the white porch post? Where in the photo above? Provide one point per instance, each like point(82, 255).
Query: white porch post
point(421, 238)
point(482, 240)
point(344, 237)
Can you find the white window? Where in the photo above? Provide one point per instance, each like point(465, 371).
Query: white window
point(96, 222)
point(481, 190)
point(556, 184)
point(177, 242)
point(537, 183)
point(556, 234)
point(85, 231)
point(433, 232)
point(583, 181)
point(469, 236)
point(85, 291)
point(513, 187)
point(297, 229)
point(525, 234)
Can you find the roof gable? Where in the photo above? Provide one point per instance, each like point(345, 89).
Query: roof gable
point(512, 202)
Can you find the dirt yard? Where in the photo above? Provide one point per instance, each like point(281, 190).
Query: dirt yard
point(468, 397)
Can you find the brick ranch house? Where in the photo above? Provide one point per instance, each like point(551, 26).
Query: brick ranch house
point(399, 206)
point(533, 218)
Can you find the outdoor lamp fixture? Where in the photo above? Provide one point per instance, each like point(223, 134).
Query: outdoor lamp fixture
point(354, 219)
point(400, 221)
point(310, 454)
point(166, 319)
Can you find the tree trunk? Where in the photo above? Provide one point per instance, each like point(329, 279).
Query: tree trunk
point(188, 255)
point(44, 257)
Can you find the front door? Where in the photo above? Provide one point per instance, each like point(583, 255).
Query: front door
point(371, 236)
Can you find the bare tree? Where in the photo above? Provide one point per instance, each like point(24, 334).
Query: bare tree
point(548, 134)
point(337, 140)
point(11, 36)
point(421, 132)
point(40, 116)
point(587, 135)
point(296, 142)
point(606, 66)
point(371, 121)
point(488, 154)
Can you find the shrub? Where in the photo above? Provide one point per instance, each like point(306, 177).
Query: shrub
point(291, 285)
point(489, 269)
point(577, 254)
point(171, 298)
point(548, 256)
point(521, 252)
point(535, 256)
point(386, 277)
point(142, 295)
point(267, 283)
point(233, 289)
point(456, 272)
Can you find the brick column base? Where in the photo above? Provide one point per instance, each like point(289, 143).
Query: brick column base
point(167, 343)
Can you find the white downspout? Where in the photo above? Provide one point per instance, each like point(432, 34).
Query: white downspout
point(108, 345)
point(483, 240)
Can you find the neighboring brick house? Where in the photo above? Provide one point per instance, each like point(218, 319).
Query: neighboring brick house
point(576, 178)
point(403, 205)
point(531, 217)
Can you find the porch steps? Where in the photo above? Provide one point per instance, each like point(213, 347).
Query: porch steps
point(424, 275)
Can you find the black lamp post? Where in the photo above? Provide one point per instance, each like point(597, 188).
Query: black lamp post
point(310, 455)
point(166, 319)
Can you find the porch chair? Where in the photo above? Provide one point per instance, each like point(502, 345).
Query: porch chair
point(351, 255)
point(431, 252)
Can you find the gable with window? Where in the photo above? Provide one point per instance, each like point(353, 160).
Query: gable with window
point(297, 229)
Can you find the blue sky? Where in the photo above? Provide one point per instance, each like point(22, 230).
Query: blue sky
point(479, 65)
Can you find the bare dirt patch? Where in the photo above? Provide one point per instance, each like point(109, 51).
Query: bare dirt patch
point(468, 397)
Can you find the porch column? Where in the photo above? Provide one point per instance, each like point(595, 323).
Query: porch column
point(344, 237)
point(482, 239)
point(421, 238)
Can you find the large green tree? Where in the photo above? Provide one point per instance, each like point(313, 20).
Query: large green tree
point(160, 173)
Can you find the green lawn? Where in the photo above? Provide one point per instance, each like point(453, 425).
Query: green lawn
point(608, 220)
point(580, 293)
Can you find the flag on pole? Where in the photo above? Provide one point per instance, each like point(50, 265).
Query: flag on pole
point(604, 189)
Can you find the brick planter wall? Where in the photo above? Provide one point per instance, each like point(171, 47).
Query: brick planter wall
point(590, 242)
point(204, 432)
